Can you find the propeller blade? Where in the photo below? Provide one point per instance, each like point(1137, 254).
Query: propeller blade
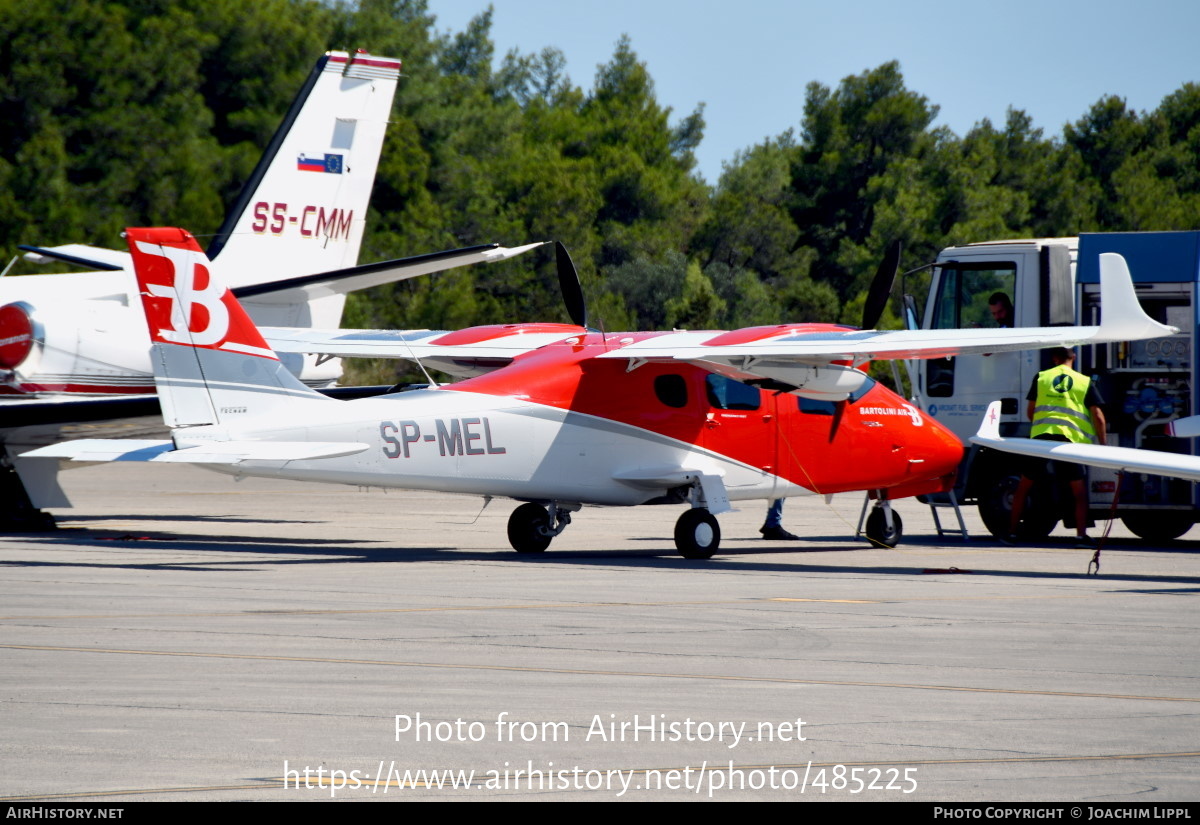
point(568, 282)
point(881, 287)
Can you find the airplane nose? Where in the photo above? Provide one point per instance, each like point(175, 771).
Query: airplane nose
point(942, 449)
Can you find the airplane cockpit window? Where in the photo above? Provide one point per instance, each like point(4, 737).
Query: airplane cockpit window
point(727, 394)
point(671, 390)
point(867, 384)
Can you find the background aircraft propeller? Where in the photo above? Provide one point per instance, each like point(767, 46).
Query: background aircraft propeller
point(568, 282)
point(881, 287)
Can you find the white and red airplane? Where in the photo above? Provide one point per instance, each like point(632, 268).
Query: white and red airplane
point(557, 415)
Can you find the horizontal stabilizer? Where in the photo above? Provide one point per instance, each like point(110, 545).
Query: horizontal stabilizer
point(211, 452)
point(105, 449)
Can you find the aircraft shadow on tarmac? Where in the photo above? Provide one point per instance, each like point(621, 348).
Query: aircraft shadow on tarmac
point(187, 517)
point(268, 551)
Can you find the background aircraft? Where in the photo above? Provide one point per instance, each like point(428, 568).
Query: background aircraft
point(585, 418)
point(288, 247)
point(82, 333)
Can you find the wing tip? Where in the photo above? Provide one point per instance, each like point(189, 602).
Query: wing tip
point(989, 427)
point(1123, 318)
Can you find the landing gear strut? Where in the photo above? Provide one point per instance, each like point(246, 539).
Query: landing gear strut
point(532, 526)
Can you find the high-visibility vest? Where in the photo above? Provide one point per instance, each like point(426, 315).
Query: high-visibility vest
point(1060, 408)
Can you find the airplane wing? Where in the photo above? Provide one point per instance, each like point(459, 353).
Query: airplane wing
point(93, 257)
point(341, 281)
point(334, 282)
point(1153, 462)
point(464, 353)
point(800, 358)
point(214, 452)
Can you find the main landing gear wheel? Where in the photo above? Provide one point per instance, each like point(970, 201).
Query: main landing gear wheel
point(995, 508)
point(529, 529)
point(877, 530)
point(697, 534)
point(1158, 526)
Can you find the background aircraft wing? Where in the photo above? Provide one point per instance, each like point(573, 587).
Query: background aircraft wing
point(350, 279)
point(1153, 462)
point(93, 257)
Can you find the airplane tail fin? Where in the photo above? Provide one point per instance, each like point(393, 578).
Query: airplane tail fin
point(313, 183)
point(211, 364)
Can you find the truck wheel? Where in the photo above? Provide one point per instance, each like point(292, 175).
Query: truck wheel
point(1159, 525)
point(995, 508)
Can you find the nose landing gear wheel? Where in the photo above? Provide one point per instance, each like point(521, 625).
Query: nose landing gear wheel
point(529, 529)
point(697, 534)
point(877, 530)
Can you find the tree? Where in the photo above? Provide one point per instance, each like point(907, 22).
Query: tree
point(850, 138)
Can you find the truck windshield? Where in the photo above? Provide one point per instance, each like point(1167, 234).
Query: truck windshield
point(976, 296)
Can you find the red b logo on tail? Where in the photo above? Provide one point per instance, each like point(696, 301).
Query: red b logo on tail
point(188, 267)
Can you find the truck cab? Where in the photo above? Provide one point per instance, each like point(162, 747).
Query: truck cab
point(1145, 384)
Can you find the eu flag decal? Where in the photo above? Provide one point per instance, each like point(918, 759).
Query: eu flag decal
point(321, 163)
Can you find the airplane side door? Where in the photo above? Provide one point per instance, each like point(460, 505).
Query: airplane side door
point(740, 422)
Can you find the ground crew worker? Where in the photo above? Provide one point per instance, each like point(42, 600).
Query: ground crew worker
point(773, 529)
point(1064, 405)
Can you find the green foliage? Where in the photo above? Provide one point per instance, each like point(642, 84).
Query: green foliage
point(121, 112)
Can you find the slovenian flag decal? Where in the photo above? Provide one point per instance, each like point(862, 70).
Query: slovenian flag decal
point(321, 163)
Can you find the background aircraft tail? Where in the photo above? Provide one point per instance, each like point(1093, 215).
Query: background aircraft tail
point(211, 364)
point(304, 209)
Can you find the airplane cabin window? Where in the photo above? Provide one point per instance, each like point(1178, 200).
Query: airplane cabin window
point(671, 390)
point(727, 394)
point(813, 406)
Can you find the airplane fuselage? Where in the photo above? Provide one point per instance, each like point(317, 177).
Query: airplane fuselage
point(560, 424)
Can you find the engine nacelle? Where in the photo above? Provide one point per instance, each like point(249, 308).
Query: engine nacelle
point(826, 382)
point(73, 348)
point(22, 337)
